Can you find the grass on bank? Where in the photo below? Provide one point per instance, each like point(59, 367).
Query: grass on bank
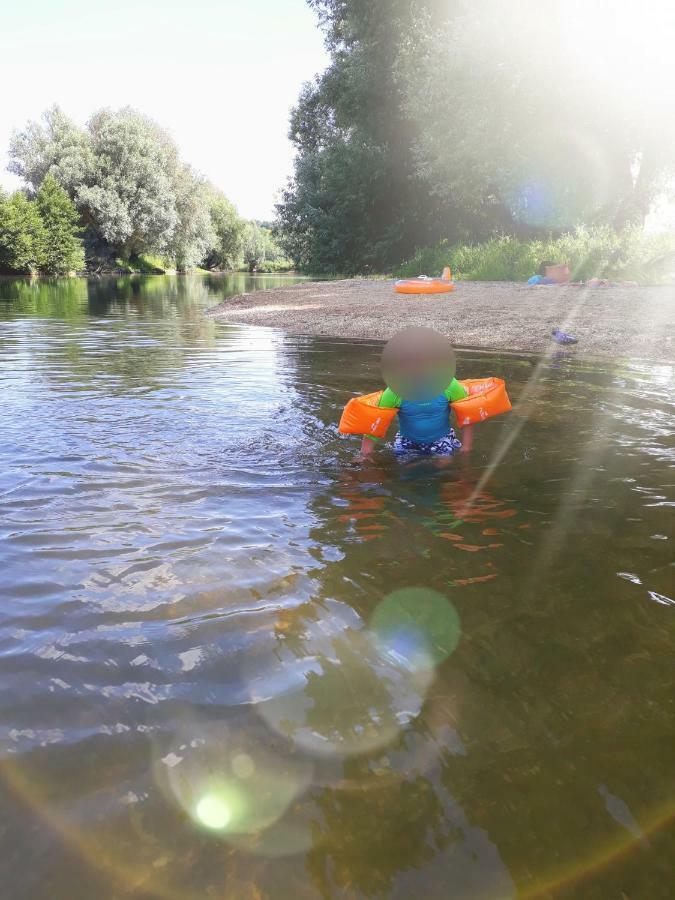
point(145, 264)
point(629, 255)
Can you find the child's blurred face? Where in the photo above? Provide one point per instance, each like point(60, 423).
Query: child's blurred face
point(418, 363)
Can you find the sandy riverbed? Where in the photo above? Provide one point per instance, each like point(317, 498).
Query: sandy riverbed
point(636, 322)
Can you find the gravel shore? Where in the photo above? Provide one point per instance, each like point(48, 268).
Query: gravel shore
point(628, 322)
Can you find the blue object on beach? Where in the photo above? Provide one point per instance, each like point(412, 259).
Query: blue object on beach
point(560, 337)
point(536, 279)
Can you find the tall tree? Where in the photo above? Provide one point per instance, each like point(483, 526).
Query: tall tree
point(61, 250)
point(229, 228)
point(256, 241)
point(22, 235)
point(355, 202)
point(53, 146)
point(130, 193)
point(120, 173)
point(194, 236)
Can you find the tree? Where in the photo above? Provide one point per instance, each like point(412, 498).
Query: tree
point(124, 174)
point(356, 202)
point(260, 250)
point(447, 119)
point(120, 173)
point(54, 146)
point(61, 250)
point(327, 216)
point(229, 229)
point(255, 245)
point(130, 194)
point(22, 235)
point(194, 236)
point(521, 131)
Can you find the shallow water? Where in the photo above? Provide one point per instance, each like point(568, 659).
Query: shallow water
point(199, 698)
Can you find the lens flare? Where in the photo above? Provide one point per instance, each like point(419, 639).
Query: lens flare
point(213, 812)
point(230, 780)
point(243, 766)
point(331, 688)
point(358, 700)
point(418, 625)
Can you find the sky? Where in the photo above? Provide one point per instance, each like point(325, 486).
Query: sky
point(220, 75)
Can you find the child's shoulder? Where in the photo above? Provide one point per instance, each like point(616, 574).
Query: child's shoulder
point(390, 399)
point(456, 391)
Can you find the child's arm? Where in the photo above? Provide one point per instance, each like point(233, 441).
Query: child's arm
point(467, 438)
point(367, 447)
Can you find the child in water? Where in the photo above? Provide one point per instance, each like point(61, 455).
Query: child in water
point(418, 365)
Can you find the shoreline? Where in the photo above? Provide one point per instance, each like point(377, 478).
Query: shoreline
point(86, 274)
point(609, 322)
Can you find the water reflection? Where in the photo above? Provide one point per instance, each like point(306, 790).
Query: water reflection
point(149, 296)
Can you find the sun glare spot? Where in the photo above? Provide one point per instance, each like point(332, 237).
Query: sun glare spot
point(213, 812)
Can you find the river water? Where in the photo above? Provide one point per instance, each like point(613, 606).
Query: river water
point(236, 663)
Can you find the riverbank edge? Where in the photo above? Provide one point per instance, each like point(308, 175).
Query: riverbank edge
point(117, 271)
point(609, 322)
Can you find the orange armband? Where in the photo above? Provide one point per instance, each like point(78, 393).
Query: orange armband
point(487, 398)
point(362, 415)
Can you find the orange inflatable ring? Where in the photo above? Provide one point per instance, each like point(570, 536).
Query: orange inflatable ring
point(487, 398)
point(362, 415)
point(424, 286)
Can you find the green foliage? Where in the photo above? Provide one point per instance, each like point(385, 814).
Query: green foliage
point(446, 119)
point(229, 232)
point(194, 237)
point(145, 264)
point(629, 254)
point(149, 263)
point(130, 190)
point(270, 266)
point(328, 220)
point(261, 253)
point(534, 138)
point(120, 173)
point(499, 259)
point(125, 177)
point(40, 235)
point(54, 146)
point(61, 250)
point(354, 204)
point(426, 261)
point(22, 235)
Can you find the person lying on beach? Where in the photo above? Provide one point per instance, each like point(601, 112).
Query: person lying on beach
point(551, 273)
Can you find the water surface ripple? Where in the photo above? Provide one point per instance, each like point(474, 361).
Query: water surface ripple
point(193, 703)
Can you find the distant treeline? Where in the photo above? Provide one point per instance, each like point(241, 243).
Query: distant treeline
point(457, 121)
point(116, 192)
